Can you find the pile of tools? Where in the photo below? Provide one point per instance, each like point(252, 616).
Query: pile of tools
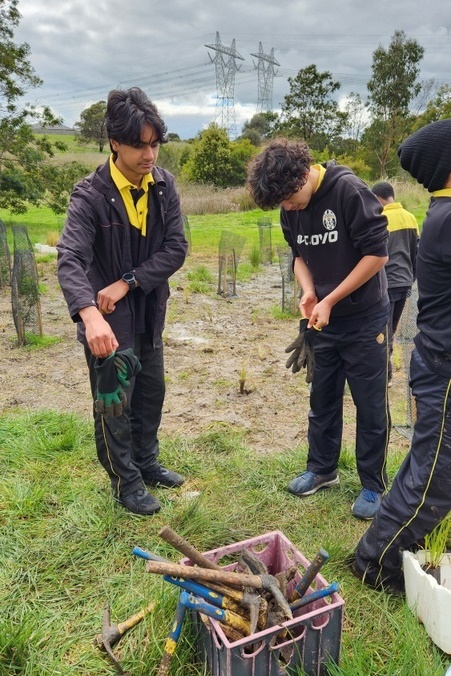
point(242, 602)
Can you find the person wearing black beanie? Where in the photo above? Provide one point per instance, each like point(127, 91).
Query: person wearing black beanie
point(420, 497)
point(426, 154)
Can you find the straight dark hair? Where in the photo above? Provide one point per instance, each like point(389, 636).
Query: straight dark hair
point(127, 113)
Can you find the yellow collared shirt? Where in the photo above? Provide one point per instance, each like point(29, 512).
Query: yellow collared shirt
point(444, 192)
point(137, 215)
point(322, 173)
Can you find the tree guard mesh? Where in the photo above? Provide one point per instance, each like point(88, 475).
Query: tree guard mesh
point(5, 258)
point(230, 248)
point(290, 287)
point(265, 237)
point(407, 330)
point(187, 231)
point(25, 287)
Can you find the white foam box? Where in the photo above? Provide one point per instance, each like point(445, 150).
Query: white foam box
point(428, 599)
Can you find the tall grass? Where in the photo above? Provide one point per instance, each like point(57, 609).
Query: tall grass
point(204, 199)
point(412, 196)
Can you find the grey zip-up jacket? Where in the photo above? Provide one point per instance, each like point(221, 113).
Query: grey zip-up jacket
point(94, 250)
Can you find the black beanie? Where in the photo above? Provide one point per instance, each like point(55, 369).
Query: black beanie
point(383, 189)
point(426, 155)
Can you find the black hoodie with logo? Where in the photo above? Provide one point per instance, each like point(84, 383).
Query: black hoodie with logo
point(342, 223)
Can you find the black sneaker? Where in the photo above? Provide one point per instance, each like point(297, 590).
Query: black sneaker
point(308, 483)
point(161, 476)
point(377, 578)
point(140, 502)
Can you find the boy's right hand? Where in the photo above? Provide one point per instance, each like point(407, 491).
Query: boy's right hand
point(99, 334)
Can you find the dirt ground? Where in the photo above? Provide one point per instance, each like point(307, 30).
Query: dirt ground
point(211, 344)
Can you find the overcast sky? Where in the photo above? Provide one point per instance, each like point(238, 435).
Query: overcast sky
point(83, 48)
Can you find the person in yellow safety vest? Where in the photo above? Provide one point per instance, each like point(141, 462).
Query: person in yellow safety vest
point(402, 252)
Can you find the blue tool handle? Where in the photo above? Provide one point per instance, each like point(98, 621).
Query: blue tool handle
point(137, 551)
point(172, 638)
point(197, 603)
point(197, 589)
point(314, 596)
point(178, 621)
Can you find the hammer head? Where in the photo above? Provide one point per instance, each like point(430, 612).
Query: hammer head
point(270, 584)
point(108, 638)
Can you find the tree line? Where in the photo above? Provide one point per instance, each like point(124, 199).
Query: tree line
point(362, 133)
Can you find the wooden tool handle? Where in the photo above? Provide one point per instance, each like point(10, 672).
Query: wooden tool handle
point(186, 548)
point(205, 574)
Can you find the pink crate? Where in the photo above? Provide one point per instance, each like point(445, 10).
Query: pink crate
point(314, 632)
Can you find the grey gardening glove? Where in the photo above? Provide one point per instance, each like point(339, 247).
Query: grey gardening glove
point(127, 366)
point(302, 351)
point(110, 397)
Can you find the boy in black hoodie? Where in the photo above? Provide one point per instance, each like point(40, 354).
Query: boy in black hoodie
point(334, 226)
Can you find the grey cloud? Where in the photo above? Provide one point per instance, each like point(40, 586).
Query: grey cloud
point(82, 49)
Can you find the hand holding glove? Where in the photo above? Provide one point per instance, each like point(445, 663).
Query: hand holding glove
point(302, 351)
point(113, 376)
point(110, 398)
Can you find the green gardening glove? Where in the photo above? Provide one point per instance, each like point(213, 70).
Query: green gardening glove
point(110, 398)
point(301, 349)
point(127, 366)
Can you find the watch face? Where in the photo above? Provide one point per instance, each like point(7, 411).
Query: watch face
point(129, 277)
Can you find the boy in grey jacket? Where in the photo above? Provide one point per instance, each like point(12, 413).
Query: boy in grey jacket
point(123, 238)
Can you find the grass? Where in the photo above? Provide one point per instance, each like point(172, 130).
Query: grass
point(66, 550)
point(36, 342)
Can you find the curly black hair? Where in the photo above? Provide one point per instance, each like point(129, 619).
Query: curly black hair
point(278, 171)
point(127, 113)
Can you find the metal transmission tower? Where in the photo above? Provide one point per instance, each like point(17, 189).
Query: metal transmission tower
point(226, 69)
point(266, 73)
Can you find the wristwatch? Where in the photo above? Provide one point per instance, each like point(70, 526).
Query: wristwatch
point(130, 278)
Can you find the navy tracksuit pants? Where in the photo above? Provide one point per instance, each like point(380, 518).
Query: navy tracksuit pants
point(127, 446)
point(353, 350)
point(420, 496)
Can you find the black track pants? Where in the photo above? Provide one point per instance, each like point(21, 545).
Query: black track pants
point(420, 496)
point(356, 351)
point(127, 446)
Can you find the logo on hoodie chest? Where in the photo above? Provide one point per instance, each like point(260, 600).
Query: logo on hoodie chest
point(331, 235)
point(329, 220)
